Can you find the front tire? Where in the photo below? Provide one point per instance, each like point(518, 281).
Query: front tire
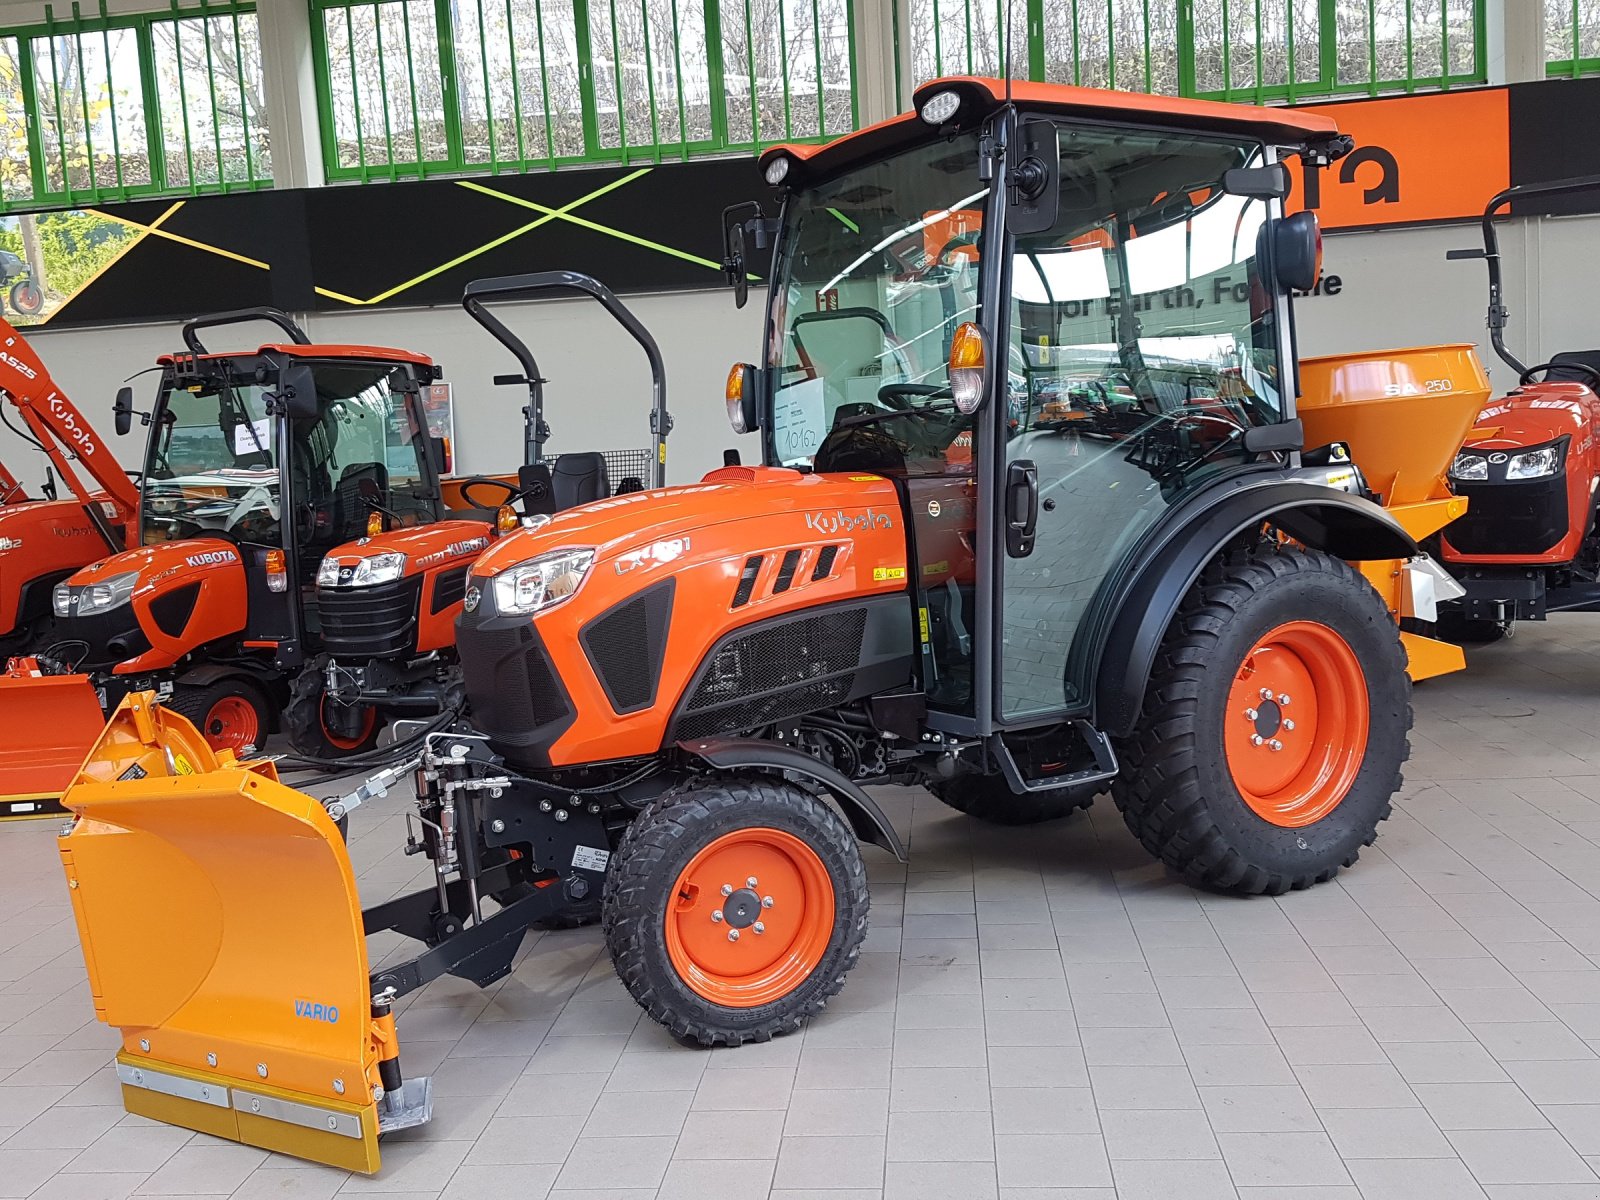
point(322, 728)
point(230, 714)
point(734, 908)
point(1219, 780)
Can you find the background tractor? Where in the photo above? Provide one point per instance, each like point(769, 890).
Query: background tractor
point(679, 697)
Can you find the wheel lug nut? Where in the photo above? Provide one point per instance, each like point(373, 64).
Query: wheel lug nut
point(1289, 725)
point(1282, 700)
point(751, 882)
point(1266, 693)
point(733, 935)
point(1256, 739)
point(1275, 744)
point(1250, 714)
point(766, 902)
point(758, 927)
point(727, 889)
point(716, 915)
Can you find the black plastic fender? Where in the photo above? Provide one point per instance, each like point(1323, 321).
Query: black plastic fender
point(860, 809)
point(1344, 525)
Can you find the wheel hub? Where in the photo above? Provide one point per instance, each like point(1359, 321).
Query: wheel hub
point(742, 908)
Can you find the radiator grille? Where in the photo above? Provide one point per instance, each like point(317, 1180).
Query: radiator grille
point(625, 647)
point(370, 622)
point(510, 684)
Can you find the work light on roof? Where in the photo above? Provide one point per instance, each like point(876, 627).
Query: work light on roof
point(940, 108)
point(778, 170)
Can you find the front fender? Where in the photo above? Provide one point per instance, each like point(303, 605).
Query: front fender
point(1347, 526)
point(861, 810)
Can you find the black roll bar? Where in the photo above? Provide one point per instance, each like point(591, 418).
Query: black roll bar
point(535, 429)
point(1498, 313)
point(239, 316)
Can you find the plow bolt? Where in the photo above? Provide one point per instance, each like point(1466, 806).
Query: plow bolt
point(716, 915)
point(338, 1087)
point(727, 889)
point(261, 1070)
point(144, 1044)
point(211, 1060)
point(733, 935)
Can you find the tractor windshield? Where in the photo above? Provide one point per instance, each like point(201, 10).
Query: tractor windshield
point(877, 270)
point(214, 462)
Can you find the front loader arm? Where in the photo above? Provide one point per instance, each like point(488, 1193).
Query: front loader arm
point(62, 431)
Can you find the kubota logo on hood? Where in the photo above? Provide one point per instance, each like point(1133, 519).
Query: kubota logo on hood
point(843, 522)
point(211, 558)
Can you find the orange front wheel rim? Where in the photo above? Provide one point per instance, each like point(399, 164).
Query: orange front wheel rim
point(232, 724)
point(1295, 729)
point(750, 918)
point(344, 741)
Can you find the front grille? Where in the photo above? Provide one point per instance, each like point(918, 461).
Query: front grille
point(512, 691)
point(779, 669)
point(370, 622)
point(1526, 517)
point(98, 641)
point(625, 647)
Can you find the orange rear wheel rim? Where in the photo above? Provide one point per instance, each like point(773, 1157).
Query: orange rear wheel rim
point(1295, 729)
point(770, 889)
point(232, 724)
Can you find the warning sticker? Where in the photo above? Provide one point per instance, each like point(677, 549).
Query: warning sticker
point(880, 574)
point(134, 772)
point(587, 858)
point(182, 765)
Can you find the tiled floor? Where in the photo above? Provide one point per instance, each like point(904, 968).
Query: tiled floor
point(1041, 1015)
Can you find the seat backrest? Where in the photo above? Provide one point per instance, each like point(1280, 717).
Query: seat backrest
point(538, 491)
point(1584, 358)
point(580, 478)
point(358, 483)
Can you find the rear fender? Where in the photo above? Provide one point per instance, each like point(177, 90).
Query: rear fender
point(1344, 525)
point(222, 933)
point(861, 810)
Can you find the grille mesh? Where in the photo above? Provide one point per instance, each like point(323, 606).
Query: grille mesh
point(625, 647)
point(371, 621)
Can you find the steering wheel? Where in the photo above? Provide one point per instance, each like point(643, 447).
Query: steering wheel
point(896, 395)
point(1526, 377)
point(512, 491)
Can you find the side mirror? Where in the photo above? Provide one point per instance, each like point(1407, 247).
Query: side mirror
point(439, 454)
point(1257, 183)
point(733, 266)
point(1034, 183)
point(1297, 251)
point(297, 388)
point(741, 392)
point(122, 411)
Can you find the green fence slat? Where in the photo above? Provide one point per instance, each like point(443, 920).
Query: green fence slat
point(783, 71)
point(750, 64)
point(244, 103)
point(650, 76)
point(516, 83)
point(544, 80)
point(411, 84)
point(355, 92)
point(616, 79)
point(677, 79)
point(211, 82)
point(111, 94)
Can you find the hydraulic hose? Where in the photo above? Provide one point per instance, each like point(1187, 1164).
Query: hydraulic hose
point(334, 768)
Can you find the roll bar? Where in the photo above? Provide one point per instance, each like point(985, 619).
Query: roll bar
point(239, 316)
point(1498, 313)
point(536, 432)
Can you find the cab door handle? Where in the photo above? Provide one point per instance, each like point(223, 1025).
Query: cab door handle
point(1022, 506)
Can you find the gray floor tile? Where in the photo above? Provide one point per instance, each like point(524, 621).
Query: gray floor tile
point(1281, 1159)
point(1052, 1160)
point(1479, 1106)
point(1384, 1133)
point(1414, 1179)
point(1259, 1109)
point(939, 1137)
point(820, 1162)
point(1521, 1156)
point(1159, 1134)
point(933, 1181)
point(1147, 1180)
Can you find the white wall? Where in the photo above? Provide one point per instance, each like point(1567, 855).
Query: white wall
point(1398, 290)
point(597, 397)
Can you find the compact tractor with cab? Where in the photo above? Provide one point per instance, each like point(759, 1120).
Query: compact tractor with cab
point(1529, 544)
point(679, 697)
point(382, 649)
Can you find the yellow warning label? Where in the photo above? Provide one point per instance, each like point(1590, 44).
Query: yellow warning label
point(938, 568)
point(922, 614)
point(182, 765)
point(663, 453)
point(879, 574)
point(865, 478)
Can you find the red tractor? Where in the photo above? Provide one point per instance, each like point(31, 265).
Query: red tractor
point(1528, 544)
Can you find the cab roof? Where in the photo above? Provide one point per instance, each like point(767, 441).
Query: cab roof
point(982, 96)
point(297, 350)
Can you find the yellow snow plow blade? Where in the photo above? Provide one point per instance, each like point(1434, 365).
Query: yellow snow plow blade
point(53, 720)
point(223, 936)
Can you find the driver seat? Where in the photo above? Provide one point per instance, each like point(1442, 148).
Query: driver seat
point(1583, 358)
point(580, 478)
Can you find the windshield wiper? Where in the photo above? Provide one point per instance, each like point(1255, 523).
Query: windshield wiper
point(936, 407)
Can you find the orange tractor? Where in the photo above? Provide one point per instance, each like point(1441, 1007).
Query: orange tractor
point(678, 698)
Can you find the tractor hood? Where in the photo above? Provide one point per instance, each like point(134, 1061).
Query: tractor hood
point(154, 564)
point(807, 508)
point(423, 547)
point(1535, 415)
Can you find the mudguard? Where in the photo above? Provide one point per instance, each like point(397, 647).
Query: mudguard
point(1344, 525)
point(222, 933)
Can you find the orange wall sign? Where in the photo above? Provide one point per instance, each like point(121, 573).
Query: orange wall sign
point(1435, 157)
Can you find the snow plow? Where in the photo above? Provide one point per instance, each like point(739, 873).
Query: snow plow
point(678, 698)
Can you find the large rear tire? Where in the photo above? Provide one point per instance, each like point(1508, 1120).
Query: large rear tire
point(734, 908)
point(230, 714)
point(1219, 780)
point(989, 798)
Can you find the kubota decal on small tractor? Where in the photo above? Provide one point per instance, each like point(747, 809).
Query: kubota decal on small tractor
point(1529, 545)
point(679, 697)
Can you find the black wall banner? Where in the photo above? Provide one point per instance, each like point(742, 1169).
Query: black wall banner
point(340, 249)
point(1423, 158)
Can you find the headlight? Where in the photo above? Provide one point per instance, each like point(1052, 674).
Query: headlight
point(61, 600)
point(1535, 464)
point(109, 593)
point(1469, 466)
point(540, 583)
point(376, 569)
